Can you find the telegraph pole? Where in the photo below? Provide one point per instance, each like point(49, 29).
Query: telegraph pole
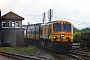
point(0, 13)
point(43, 17)
point(0, 20)
point(50, 14)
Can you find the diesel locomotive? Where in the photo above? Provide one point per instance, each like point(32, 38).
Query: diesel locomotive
point(56, 35)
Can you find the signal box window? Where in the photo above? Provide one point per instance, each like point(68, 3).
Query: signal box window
point(5, 24)
point(17, 24)
point(13, 23)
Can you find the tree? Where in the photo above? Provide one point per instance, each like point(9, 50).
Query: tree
point(77, 36)
point(77, 33)
point(75, 30)
point(85, 30)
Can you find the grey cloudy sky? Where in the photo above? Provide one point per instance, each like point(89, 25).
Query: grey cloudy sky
point(75, 11)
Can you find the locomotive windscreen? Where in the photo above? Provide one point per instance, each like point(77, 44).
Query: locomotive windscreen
point(57, 27)
point(67, 27)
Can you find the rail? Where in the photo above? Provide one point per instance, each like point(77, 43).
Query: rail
point(80, 53)
point(18, 56)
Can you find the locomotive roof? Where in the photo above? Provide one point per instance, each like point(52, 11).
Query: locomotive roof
point(47, 23)
point(35, 24)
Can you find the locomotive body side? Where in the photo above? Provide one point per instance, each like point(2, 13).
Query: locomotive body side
point(33, 31)
point(45, 31)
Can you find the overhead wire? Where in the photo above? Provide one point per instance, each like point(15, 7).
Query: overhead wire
point(32, 15)
point(74, 21)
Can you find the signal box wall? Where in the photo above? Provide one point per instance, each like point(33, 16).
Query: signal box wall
point(12, 38)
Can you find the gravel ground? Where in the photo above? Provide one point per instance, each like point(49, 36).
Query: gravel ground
point(42, 54)
point(68, 57)
point(6, 58)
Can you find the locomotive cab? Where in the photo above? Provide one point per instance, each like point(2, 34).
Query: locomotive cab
point(62, 36)
point(62, 31)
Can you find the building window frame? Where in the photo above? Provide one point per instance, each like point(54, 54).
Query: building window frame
point(13, 24)
point(6, 24)
point(17, 23)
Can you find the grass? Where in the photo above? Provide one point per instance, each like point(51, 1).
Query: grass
point(31, 51)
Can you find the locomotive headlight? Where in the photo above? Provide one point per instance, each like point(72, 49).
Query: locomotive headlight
point(62, 35)
point(54, 37)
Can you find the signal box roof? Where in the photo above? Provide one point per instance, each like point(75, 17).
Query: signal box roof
point(12, 16)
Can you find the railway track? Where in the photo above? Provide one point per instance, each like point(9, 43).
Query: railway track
point(18, 56)
point(23, 57)
point(81, 54)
